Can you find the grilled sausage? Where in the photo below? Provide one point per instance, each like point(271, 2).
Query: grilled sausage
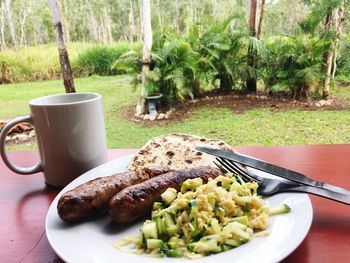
point(93, 196)
point(137, 200)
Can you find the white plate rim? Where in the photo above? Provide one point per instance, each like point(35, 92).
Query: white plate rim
point(108, 168)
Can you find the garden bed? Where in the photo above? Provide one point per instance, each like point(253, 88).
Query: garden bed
point(238, 103)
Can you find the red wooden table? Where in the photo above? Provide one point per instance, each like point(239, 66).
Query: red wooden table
point(26, 199)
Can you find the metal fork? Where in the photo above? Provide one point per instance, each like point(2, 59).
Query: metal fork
point(269, 186)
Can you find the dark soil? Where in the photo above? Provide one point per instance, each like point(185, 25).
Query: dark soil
point(238, 103)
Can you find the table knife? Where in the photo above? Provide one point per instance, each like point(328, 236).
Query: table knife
point(272, 169)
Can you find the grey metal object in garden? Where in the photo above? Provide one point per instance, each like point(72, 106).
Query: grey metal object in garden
point(152, 106)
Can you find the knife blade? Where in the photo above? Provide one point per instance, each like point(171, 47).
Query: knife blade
point(272, 169)
point(336, 196)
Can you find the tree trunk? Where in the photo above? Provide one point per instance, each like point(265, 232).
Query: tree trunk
point(62, 5)
point(177, 17)
point(39, 32)
point(225, 83)
point(160, 20)
point(132, 37)
point(2, 26)
point(62, 50)
point(108, 25)
point(252, 18)
point(193, 12)
point(261, 18)
point(93, 23)
point(10, 22)
point(339, 19)
point(214, 8)
point(251, 81)
point(328, 58)
point(146, 53)
point(141, 18)
point(25, 10)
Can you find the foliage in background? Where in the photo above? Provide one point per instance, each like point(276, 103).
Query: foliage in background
point(294, 64)
point(176, 71)
point(41, 62)
point(199, 54)
point(222, 46)
point(99, 59)
point(105, 21)
point(34, 63)
point(216, 53)
point(343, 61)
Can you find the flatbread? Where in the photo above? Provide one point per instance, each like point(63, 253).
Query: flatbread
point(177, 151)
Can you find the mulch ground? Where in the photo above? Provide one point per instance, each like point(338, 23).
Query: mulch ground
point(238, 103)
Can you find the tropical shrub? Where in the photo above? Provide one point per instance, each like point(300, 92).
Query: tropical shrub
point(343, 61)
point(223, 49)
point(174, 69)
point(176, 72)
point(294, 64)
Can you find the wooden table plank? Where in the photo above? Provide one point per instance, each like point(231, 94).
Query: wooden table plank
point(26, 199)
point(329, 236)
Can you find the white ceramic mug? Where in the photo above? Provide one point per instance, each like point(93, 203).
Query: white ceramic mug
point(71, 136)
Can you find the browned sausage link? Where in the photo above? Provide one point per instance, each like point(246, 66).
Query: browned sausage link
point(93, 196)
point(137, 200)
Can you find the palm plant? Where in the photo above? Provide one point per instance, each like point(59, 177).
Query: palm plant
point(130, 63)
point(294, 64)
point(256, 56)
point(222, 46)
point(176, 72)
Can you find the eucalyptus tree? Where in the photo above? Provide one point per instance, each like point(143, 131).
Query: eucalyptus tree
point(62, 50)
point(339, 24)
point(2, 25)
point(251, 80)
point(10, 21)
point(146, 53)
point(262, 6)
point(326, 18)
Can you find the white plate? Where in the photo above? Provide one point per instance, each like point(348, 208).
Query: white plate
point(91, 241)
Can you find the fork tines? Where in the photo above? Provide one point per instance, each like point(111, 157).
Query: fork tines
point(230, 166)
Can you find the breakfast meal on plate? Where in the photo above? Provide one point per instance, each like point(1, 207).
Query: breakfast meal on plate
point(176, 151)
point(136, 201)
point(93, 196)
point(201, 219)
point(158, 156)
point(195, 210)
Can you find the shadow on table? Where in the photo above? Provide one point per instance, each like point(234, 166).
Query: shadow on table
point(35, 203)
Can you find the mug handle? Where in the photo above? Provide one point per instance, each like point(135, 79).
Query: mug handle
point(17, 169)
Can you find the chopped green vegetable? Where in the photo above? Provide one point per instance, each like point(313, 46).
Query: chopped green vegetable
point(157, 206)
point(232, 243)
point(169, 195)
point(204, 246)
point(191, 185)
point(241, 219)
point(174, 253)
point(149, 229)
point(203, 219)
point(281, 209)
point(154, 243)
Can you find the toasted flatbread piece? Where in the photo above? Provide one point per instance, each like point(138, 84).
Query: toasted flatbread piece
point(177, 151)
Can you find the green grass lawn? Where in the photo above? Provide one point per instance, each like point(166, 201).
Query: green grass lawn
point(254, 127)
